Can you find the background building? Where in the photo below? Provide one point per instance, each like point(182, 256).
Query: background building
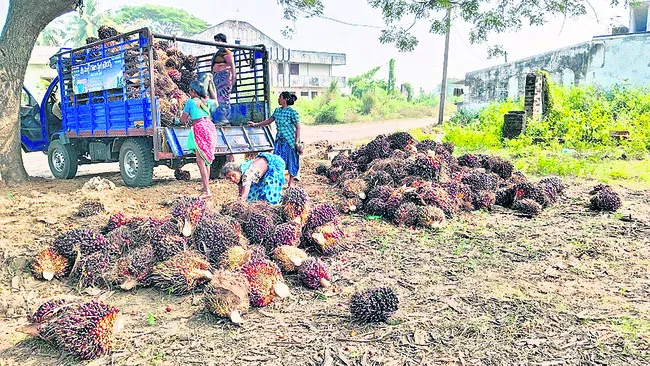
point(622, 57)
point(305, 73)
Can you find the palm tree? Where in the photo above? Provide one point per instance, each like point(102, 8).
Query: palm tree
point(84, 25)
point(52, 35)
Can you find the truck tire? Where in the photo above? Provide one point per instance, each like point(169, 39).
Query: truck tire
point(136, 163)
point(62, 159)
point(216, 166)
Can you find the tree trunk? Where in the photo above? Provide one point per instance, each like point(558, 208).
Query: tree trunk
point(25, 21)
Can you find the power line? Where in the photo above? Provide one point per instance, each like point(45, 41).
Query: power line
point(352, 24)
point(467, 46)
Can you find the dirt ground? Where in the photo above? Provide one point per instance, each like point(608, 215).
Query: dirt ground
point(569, 287)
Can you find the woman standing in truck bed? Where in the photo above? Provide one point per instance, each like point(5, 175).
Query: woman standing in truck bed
point(224, 76)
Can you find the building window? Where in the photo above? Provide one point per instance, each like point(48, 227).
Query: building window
point(294, 69)
point(314, 95)
point(304, 94)
point(280, 69)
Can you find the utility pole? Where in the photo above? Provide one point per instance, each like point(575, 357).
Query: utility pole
point(443, 86)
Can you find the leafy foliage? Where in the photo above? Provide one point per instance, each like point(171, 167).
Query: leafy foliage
point(161, 19)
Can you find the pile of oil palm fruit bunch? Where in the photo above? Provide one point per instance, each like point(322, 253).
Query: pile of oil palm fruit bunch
point(422, 183)
point(237, 255)
point(173, 72)
point(603, 198)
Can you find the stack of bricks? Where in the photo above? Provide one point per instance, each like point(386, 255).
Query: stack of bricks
point(534, 96)
point(514, 124)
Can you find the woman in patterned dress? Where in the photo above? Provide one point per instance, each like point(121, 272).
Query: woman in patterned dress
point(259, 179)
point(203, 135)
point(287, 141)
point(224, 76)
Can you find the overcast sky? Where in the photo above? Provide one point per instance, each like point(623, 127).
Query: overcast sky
point(423, 67)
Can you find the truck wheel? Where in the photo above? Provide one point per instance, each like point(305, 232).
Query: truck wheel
point(216, 166)
point(136, 163)
point(62, 159)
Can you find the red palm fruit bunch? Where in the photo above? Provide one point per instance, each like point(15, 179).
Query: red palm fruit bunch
point(289, 258)
point(500, 166)
point(151, 230)
point(234, 258)
point(427, 166)
point(315, 274)
point(134, 268)
point(479, 180)
point(295, 205)
point(374, 305)
point(214, 234)
point(284, 234)
point(85, 330)
point(226, 296)
point(258, 227)
point(483, 200)
point(528, 190)
point(379, 148)
point(47, 265)
point(105, 32)
point(81, 242)
point(266, 282)
point(394, 167)
point(181, 274)
point(426, 145)
point(505, 196)
point(174, 74)
point(190, 63)
point(355, 188)
point(169, 246)
point(188, 211)
point(470, 161)
point(94, 270)
point(328, 238)
point(116, 220)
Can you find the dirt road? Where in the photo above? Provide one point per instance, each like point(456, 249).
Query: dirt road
point(36, 163)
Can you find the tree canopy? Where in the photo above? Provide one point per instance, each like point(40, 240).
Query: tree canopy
point(162, 19)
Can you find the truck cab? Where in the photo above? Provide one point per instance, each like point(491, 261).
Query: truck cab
point(122, 122)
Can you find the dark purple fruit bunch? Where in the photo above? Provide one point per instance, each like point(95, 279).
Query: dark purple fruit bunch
point(500, 166)
point(605, 200)
point(378, 178)
point(295, 205)
point(396, 168)
point(169, 246)
point(182, 175)
point(321, 215)
point(553, 182)
point(215, 234)
point(321, 170)
point(478, 180)
point(151, 230)
point(94, 270)
point(483, 200)
point(284, 234)
point(105, 32)
point(381, 192)
point(376, 207)
point(87, 330)
point(134, 268)
point(426, 145)
point(528, 190)
point(470, 161)
point(505, 197)
point(374, 305)
point(47, 310)
point(379, 148)
point(90, 40)
point(599, 187)
point(190, 63)
point(84, 241)
point(89, 208)
point(315, 274)
point(400, 140)
point(430, 217)
point(406, 214)
point(425, 166)
point(527, 207)
point(191, 208)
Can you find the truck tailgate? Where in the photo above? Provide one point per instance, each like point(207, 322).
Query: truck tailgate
point(230, 140)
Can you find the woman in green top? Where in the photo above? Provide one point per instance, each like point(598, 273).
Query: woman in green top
point(203, 135)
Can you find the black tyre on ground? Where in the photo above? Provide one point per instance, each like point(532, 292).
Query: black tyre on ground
point(62, 159)
point(216, 166)
point(136, 162)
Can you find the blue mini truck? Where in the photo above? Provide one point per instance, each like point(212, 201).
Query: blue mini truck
point(109, 111)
